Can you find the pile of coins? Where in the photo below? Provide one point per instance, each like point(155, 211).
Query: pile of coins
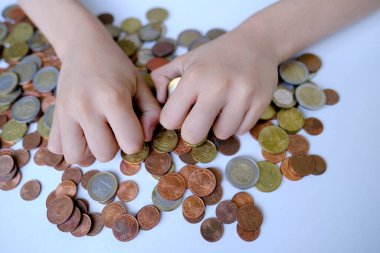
point(27, 95)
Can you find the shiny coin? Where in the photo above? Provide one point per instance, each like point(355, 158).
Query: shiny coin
point(310, 96)
point(165, 141)
point(138, 157)
point(125, 228)
point(8, 82)
point(25, 71)
point(298, 144)
point(270, 177)
point(273, 139)
point(157, 15)
point(186, 37)
point(13, 131)
point(173, 85)
point(293, 72)
point(150, 32)
point(164, 204)
point(204, 153)
point(102, 186)
point(242, 172)
point(110, 213)
point(26, 109)
point(46, 79)
point(158, 163)
point(283, 97)
point(212, 230)
point(130, 25)
point(30, 190)
point(148, 217)
point(285, 169)
point(193, 209)
point(291, 120)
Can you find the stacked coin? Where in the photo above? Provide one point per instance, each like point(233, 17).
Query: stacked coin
point(10, 163)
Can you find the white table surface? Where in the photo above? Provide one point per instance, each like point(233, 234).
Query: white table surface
point(336, 212)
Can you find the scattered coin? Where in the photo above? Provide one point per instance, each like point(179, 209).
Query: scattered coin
point(242, 172)
point(125, 227)
point(171, 186)
point(226, 212)
point(273, 139)
point(102, 186)
point(148, 217)
point(201, 182)
point(332, 97)
point(110, 213)
point(193, 209)
point(310, 96)
point(242, 198)
point(313, 126)
point(212, 230)
point(83, 227)
point(293, 72)
point(127, 191)
point(30, 190)
point(270, 177)
point(60, 209)
point(228, 147)
point(249, 217)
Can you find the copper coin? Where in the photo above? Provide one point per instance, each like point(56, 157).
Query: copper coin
point(67, 188)
point(186, 171)
point(155, 63)
point(125, 228)
point(62, 165)
point(111, 211)
point(217, 173)
point(46, 102)
point(6, 151)
point(6, 164)
point(3, 120)
point(298, 144)
point(182, 148)
point(72, 174)
point(127, 191)
point(273, 158)
point(51, 159)
point(242, 198)
point(86, 177)
point(171, 186)
point(228, 147)
point(320, 165)
point(193, 208)
point(312, 62)
point(82, 204)
point(148, 217)
point(88, 161)
point(30, 190)
point(158, 163)
point(96, 224)
point(129, 169)
point(202, 182)
point(285, 170)
point(249, 217)
point(163, 49)
point(106, 18)
point(212, 229)
point(52, 195)
point(60, 209)
point(31, 141)
point(39, 156)
point(10, 185)
point(187, 158)
point(72, 223)
point(21, 157)
point(332, 97)
point(313, 126)
point(195, 220)
point(10, 175)
point(84, 226)
point(301, 165)
point(226, 212)
point(260, 125)
point(248, 236)
point(214, 197)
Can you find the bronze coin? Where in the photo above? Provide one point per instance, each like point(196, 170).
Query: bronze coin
point(187, 158)
point(182, 148)
point(273, 158)
point(13, 183)
point(301, 165)
point(67, 188)
point(6, 164)
point(242, 198)
point(155, 63)
point(82, 204)
point(260, 125)
point(212, 229)
point(249, 217)
point(60, 209)
point(202, 182)
point(106, 18)
point(226, 212)
point(3, 120)
point(39, 156)
point(195, 220)
point(111, 211)
point(298, 144)
point(320, 165)
point(229, 146)
point(312, 62)
point(62, 165)
point(217, 173)
point(46, 102)
point(72, 223)
point(96, 224)
point(10, 175)
point(52, 195)
point(21, 157)
point(6, 151)
point(193, 208)
point(127, 191)
point(214, 197)
point(30, 190)
point(248, 236)
point(158, 163)
point(163, 49)
point(186, 171)
point(31, 141)
point(148, 217)
point(129, 169)
point(86, 178)
point(51, 159)
point(125, 228)
point(72, 174)
point(313, 126)
point(285, 170)
point(88, 161)
point(83, 227)
point(171, 186)
point(332, 97)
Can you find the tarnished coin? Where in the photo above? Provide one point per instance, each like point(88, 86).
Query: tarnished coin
point(173, 85)
point(215, 33)
point(270, 177)
point(25, 71)
point(332, 97)
point(96, 224)
point(229, 146)
point(12, 184)
point(72, 174)
point(249, 217)
point(125, 228)
point(302, 165)
point(13, 131)
point(30, 190)
point(8, 82)
point(3, 31)
point(171, 186)
point(38, 42)
point(148, 217)
point(131, 25)
point(67, 188)
point(204, 153)
point(312, 62)
point(242, 198)
point(165, 141)
point(293, 72)
point(127, 191)
point(212, 230)
point(45, 80)
point(273, 139)
point(248, 236)
point(313, 126)
point(150, 32)
point(164, 204)
point(106, 18)
point(201, 182)
point(34, 59)
point(226, 212)
point(287, 172)
point(193, 209)
point(283, 97)
point(214, 197)
point(102, 186)
point(320, 165)
point(242, 172)
point(186, 37)
point(138, 157)
point(60, 209)
point(298, 144)
point(26, 109)
point(110, 213)
point(15, 52)
point(310, 96)
point(83, 227)
point(291, 120)
point(186, 171)
point(7, 164)
point(198, 42)
point(72, 223)
point(157, 15)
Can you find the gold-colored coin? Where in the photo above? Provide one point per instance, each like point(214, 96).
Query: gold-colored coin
point(21, 32)
point(13, 131)
point(173, 85)
point(128, 47)
point(204, 153)
point(131, 25)
point(165, 141)
point(138, 157)
point(270, 177)
point(157, 15)
point(268, 113)
point(15, 52)
point(42, 129)
point(196, 145)
point(291, 120)
point(273, 139)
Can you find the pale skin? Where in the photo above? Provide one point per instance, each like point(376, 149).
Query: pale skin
point(98, 84)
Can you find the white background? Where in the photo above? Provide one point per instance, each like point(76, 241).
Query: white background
point(336, 212)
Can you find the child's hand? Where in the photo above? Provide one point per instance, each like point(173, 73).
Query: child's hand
point(225, 84)
point(97, 88)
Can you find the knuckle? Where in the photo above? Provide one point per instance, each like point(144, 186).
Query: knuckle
point(191, 135)
point(168, 121)
point(221, 133)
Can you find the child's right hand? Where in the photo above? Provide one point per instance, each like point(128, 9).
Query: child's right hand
point(94, 114)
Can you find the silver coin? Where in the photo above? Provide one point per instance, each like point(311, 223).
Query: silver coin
point(150, 32)
point(102, 186)
point(294, 72)
point(26, 109)
point(10, 97)
point(33, 58)
point(163, 204)
point(3, 31)
point(8, 82)
point(25, 71)
point(310, 96)
point(215, 33)
point(48, 116)
point(284, 97)
point(242, 172)
point(38, 42)
point(198, 42)
point(45, 80)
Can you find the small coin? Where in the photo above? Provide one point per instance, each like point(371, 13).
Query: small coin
point(242, 198)
point(148, 217)
point(313, 126)
point(150, 32)
point(242, 172)
point(8, 82)
point(182, 148)
point(310, 96)
point(293, 72)
point(83, 227)
point(164, 204)
point(204, 153)
point(249, 217)
point(332, 97)
point(62, 165)
point(45, 80)
point(96, 224)
point(72, 223)
point(130, 25)
point(67, 188)
point(39, 155)
point(171, 170)
point(268, 113)
point(226, 212)
point(26, 109)
point(320, 165)
point(260, 125)
point(30, 190)
point(274, 158)
point(13, 131)
point(214, 197)
point(125, 228)
point(21, 157)
point(157, 15)
point(270, 177)
point(102, 186)
point(186, 37)
point(202, 182)
point(158, 163)
point(127, 191)
point(165, 141)
point(72, 174)
point(229, 146)
point(31, 141)
point(212, 230)
point(25, 71)
point(248, 236)
point(301, 165)
point(217, 173)
point(193, 209)
point(106, 18)
point(273, 139)
point(82, 204)
point(138, 157)
point(287, 172)
point(291, 120)
point(298, 144)
point(171, 186)
point(129, 169)
point(48, 116)
point(60, 209)
point(110, 213)
point(312, 62)
point(283, 97)
point(215, 33)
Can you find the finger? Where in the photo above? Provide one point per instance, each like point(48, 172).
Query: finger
point(251, 117)
point(200, 119)
point(55, 141)
point(149, 108)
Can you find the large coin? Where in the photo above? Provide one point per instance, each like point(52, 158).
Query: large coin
point(273, 139)
point(8, 82)
point(26, 109)
point(204, 153)
point(310, 96)
point(164, 204)
point(283, 97)
point(293, 72)
point(291, 120)
point(102, 186)
point(242, 172)
point(13, 131)
point(46, 79)
point(270, 177)
point(138, 157)
point(165, 141)
point(25, 71)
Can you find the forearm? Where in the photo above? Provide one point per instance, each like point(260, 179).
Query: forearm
point(293, 25)
point(64, 22)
